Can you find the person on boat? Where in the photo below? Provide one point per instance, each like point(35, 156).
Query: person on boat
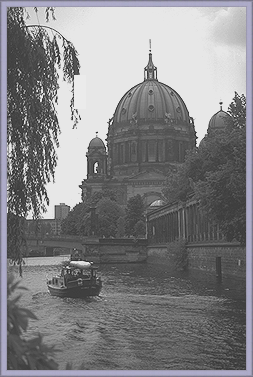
point(75, 255)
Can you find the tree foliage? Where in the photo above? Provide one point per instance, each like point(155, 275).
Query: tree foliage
point(106, 193)
point(34, 60)
point(108, 212)
point(216, 174)
point(223, 193)
point(140, 228)
point(24, 353)
point(16, 239)
point(134, 213)
point(121, 225)
point(78, 221)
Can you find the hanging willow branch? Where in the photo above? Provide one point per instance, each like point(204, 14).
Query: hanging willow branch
point(34, 59)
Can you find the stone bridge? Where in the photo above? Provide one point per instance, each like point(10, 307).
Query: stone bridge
point(97, 250)
point(46, 244)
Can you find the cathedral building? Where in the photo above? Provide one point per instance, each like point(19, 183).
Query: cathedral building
point(148, 136)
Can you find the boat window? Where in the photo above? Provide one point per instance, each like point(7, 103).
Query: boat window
point(77, 272)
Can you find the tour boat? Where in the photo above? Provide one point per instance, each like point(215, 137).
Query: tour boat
point(77, 279)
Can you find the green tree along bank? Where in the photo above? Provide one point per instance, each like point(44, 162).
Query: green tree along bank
point(113, 220)
point(215, 173)
point(34, 60)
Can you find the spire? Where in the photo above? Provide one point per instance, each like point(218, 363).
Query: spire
point(220, 103)
point(150, 71)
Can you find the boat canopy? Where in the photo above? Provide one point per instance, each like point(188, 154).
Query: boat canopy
point(80, 264)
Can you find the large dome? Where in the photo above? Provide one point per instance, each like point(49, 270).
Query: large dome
point(151, 100)
point(150, 129)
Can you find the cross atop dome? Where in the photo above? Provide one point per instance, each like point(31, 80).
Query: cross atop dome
point(150, 71)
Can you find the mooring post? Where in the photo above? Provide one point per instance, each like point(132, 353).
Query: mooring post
point(218, 268)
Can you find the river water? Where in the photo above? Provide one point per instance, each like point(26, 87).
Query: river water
point(147, 317)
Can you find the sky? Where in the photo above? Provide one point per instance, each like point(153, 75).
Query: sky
point(200, 52)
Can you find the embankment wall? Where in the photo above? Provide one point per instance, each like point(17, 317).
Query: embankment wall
point(232, 257)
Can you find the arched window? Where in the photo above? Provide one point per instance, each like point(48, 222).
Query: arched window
point(96, 168)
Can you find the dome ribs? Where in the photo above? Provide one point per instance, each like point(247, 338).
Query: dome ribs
point(140, 100)
point(160, 89)
point(120, 106)
point(177, 101)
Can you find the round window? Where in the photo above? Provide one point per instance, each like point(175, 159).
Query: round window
point(151, 108)
point(150, 92)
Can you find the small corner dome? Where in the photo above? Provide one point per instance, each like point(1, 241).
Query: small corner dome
point(96, 143)
point(203, 142)
point(158, 203)
point(219, 120)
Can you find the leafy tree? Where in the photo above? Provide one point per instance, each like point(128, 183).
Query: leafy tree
point(108, 212)
point(237, 109)
point(34, 60)
point(177, 185)
point(216, 174)
point(78, 220)
point(22, 353)
point(134, 213)
point(121, 224)
point(223, 193)
point(140, 228)
point(16, 238)
point(107, 193)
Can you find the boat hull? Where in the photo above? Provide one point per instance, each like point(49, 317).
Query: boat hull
point(76, 292)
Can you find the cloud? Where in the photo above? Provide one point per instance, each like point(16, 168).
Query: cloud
point(228, 27)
